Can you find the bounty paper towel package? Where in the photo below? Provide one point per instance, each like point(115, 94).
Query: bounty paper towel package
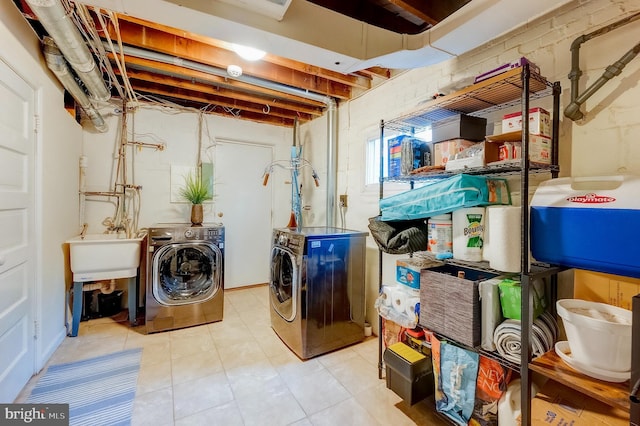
point(468, 233)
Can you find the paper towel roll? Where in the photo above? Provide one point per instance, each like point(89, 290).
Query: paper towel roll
point(486, 244)
point(399, 300)
point(411, 306)
point(491, 311)
point(468, 233)
point(505, 223)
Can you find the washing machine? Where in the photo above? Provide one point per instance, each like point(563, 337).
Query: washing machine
point(185, 276)
point(317, 288)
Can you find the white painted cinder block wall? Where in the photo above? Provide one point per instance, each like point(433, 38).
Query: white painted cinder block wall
point(606, 142)
point(178, 132)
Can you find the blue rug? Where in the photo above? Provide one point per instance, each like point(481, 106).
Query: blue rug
point(99, 391)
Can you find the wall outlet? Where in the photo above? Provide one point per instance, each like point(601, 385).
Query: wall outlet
point(343, 200)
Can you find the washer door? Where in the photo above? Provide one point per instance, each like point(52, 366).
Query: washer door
point(186, 273)
point(283, 285)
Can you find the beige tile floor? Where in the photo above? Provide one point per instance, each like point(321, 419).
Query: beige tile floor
point(238, 372)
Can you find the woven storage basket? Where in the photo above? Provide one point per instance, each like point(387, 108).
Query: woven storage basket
point(450, 305)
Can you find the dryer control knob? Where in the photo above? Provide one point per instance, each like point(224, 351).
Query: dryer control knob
point(282, 239)
point(188, 233)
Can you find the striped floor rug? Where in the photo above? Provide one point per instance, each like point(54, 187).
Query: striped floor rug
point(99, 391)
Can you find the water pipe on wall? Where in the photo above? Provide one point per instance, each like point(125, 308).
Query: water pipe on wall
point(572, 110)
point(331, 104)
point(124, 219)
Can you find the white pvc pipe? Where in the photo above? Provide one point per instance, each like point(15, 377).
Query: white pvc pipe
point(83, 163)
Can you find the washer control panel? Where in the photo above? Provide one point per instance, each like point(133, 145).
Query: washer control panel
point(177, 233)
point(290, 240)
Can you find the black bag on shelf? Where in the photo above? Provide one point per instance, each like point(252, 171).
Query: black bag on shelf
point(399, 237)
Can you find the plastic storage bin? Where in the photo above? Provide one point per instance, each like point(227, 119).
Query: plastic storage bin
point(409, 373)
point(588, 223)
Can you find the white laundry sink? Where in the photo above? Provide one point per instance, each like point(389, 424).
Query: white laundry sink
point(104, 256)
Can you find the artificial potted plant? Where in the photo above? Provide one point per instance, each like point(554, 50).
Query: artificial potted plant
point(195, 191)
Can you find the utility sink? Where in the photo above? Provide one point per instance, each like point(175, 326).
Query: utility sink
point(104, 256)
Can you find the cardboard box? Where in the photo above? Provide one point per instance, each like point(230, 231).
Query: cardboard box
point(407, 153)
point(605, 288)
point(558, 405)
point(459, 127)
point(539, 146)
point(539, 122)
point(490, 153)
point(443, 150)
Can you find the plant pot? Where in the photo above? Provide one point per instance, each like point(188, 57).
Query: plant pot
point(197, 214)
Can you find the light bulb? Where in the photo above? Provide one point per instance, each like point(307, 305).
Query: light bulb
point(248, 53)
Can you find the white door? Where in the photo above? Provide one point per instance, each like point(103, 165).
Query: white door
point(245, 205)
point(17, 354)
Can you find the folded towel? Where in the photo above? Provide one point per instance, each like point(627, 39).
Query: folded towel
point(507, 337)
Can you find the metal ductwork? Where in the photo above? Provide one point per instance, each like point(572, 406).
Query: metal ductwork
point(55, 19)
point(57, 64)
point(332, 109)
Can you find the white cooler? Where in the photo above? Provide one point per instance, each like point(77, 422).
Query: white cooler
point(589, 223)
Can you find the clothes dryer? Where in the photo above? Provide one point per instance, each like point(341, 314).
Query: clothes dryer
point(185, 276)
point(317, 288)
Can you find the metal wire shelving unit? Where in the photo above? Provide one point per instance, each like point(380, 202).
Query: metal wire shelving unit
point(516, 87)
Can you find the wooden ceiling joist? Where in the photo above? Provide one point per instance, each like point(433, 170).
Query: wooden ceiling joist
point(188, 74)
point(183, 89)
point(158, 41)
point(352, 80)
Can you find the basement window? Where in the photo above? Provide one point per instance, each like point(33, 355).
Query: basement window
point(373, 155)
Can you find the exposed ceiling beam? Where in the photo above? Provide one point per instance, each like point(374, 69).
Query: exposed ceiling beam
point(154, 39)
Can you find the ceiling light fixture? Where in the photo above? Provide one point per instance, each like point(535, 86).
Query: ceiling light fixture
point(248, 53)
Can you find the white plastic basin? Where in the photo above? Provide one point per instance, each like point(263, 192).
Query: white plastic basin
point(599, 334)
point(104, 256)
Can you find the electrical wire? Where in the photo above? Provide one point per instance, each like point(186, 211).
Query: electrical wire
point(118, 58)
point(86, 25)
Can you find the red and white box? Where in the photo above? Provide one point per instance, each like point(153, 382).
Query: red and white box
point(539, 122)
